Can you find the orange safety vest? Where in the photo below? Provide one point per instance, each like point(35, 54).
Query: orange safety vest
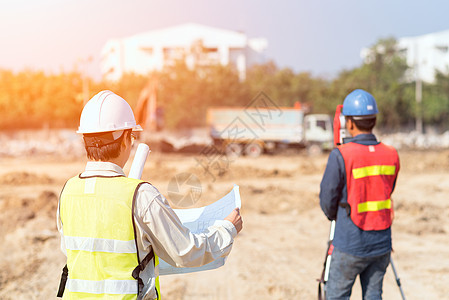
point(371, 172)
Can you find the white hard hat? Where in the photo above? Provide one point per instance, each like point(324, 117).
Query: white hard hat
point(105, 112)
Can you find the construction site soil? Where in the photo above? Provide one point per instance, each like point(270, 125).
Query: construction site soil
point(278, 255)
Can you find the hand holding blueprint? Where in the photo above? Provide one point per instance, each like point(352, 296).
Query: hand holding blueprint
point(199, 219)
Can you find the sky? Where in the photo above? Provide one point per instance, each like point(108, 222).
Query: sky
point(322, 37)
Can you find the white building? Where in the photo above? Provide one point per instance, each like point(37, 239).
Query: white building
point(424, 54)
point(195, 44)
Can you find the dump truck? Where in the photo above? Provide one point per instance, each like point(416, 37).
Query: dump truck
point(253, 130)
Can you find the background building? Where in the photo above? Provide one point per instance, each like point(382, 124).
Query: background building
point(424, 54)
point(195, 44)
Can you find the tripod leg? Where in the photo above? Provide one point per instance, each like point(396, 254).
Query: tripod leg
point(398, 281)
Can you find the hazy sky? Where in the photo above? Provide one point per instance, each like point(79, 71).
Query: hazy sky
point(319, 36)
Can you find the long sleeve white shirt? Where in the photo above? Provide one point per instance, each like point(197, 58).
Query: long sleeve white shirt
point(159, 228)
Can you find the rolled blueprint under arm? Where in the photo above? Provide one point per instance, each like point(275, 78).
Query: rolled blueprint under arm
point(139, 161)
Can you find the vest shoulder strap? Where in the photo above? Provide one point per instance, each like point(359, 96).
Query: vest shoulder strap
point(62, 283)
point(144, 262)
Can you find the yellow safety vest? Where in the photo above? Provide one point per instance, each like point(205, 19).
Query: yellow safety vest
point(98, 225)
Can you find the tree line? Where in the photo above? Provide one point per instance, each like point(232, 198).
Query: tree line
point(33, 99)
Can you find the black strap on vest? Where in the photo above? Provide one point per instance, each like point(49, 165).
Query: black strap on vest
point(65, 270)
point(140, 267)
point(135, 274)
point(346, 206)
point(142, 264)
point(65, 273)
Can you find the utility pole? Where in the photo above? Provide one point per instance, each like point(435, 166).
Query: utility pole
point(418, 93)
point(418, 97)
point(85, 81)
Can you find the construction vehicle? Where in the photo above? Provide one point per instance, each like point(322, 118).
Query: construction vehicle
point(259, 129)
point(254, 130)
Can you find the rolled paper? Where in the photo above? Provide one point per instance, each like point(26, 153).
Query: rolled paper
point(139, 161)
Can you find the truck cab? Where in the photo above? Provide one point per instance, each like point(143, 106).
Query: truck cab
point(318, 133)
point(253, 130)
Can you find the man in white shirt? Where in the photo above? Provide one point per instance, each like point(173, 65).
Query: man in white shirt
point(109, 253)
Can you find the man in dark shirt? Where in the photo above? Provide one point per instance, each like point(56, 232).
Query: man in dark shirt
point(355, 191)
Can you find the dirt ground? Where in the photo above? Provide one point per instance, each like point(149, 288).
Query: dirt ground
point(278, 255)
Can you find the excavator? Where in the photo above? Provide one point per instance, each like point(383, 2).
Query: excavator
point(150, 116)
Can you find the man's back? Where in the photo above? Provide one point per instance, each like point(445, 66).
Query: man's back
point(334, 190)
point(96, 213)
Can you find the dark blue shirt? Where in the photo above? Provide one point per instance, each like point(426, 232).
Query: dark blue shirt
point(348, 237)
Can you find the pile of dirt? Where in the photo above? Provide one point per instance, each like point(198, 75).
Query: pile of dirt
point(274, 199)
point(232, 172)
point(158, 172)
point(436, 161)
point(415, 140)
point(17, 211)
point(421, 219)
point(43, 143)
point(281, 212)
point(24, 178)
point(206, 169)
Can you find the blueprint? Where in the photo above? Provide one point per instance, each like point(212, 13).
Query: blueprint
point(199, 219)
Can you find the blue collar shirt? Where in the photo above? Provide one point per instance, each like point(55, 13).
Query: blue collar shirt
point(348, 237)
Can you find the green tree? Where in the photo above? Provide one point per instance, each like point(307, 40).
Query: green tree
point(435, 103)
point(56, 100)
point(285, 87)
point(383, 75)
point(185, 94)
point(38, 100)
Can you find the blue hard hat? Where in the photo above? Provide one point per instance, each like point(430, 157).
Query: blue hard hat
point(359, 103)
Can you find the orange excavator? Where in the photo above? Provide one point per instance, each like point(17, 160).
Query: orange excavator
point(146, 109)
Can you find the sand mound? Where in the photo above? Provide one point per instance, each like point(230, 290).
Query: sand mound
point(285, 232)
point(274, 199)
point(422, 218)
point(17, 211)
point(24, 178)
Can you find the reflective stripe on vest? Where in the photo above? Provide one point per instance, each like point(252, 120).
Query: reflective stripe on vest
point(371, 172)
point(102, 287)
point(99, 245)
point(101, 251)
point(373, 206)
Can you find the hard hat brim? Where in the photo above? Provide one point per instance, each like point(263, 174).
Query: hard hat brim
point(134, 129)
